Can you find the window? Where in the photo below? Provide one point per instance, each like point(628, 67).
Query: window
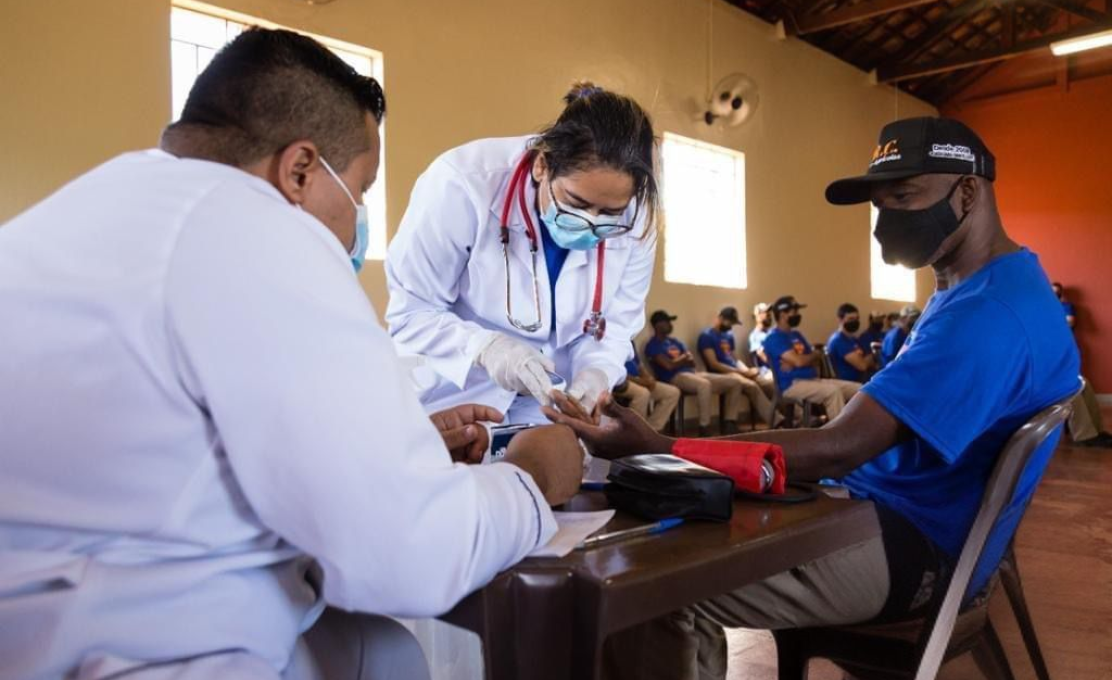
point(198, 31)
point(704, 203)
point(889, 281)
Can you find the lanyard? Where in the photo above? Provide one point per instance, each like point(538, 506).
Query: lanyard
point(595, 324)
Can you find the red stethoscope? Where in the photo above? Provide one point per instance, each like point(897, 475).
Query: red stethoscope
point(595, 324)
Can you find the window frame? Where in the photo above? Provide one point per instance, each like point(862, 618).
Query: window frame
point(376, 197)
point(740, 278)
point(881, 274)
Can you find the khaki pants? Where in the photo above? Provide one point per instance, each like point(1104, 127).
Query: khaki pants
point(849, 586)
point(755, 394)
point(1085, 421)
point(703, 385)
point(662, 398)
point(832, 394)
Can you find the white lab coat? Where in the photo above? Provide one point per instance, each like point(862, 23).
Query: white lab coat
point(446, 274)
point(195, 397)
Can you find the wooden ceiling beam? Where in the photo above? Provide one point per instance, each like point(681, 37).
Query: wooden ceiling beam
point(1077, 9)
point(862, 11)
point(900, 72)
point(942, 28)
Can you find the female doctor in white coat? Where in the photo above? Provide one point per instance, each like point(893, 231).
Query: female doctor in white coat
point(523, 257)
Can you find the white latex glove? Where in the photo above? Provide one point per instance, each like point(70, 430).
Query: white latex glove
point(517, 367)
point(586, 387)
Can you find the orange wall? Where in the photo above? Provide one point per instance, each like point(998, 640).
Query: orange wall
point(1054, 187)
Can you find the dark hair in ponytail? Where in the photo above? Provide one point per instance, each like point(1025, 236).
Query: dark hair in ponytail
point(599, 128)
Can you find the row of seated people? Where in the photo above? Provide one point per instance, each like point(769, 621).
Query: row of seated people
point(751, 389)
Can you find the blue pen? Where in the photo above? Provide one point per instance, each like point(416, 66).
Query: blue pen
point(643, 530)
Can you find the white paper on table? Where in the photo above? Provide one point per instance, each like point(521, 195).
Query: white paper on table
point(573, 528)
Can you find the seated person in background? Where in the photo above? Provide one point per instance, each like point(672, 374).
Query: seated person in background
point(717, 346)
point(673, 364)
point(643, 390)
point(238, 445)
point(873, 335)
point(793, 362)
point(849, 360)
point(896, 337)
point(762, 326)
point(920, 446)
point(1086, 424)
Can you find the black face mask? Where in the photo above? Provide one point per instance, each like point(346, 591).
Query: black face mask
point(766, 322)
point(853, 326)
point(874, 326)
point(910, 237)
point(794, 320)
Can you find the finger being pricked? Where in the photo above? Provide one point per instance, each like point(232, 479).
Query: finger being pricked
point(583, 429)
point(571, 407)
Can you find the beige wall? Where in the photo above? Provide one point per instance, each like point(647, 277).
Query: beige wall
point(83, 80)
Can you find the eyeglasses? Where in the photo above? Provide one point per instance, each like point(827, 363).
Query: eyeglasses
point(575, 220)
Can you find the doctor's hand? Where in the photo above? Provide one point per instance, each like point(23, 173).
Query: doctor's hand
point(467, 440)
point(624, 433)
point(585, 389)
point(515, 366)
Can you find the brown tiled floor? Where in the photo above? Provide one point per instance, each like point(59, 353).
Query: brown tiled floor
point(1064, 550)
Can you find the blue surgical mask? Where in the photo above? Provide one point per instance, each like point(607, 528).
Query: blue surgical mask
point(571, 228)
point(358, 251)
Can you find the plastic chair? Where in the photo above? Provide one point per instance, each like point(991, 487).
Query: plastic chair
point(826, 368)
point(917, 648)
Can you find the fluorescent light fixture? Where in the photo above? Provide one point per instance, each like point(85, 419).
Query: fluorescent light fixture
point(1082, 43)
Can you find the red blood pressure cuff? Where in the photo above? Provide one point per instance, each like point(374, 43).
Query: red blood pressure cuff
point(741, 461)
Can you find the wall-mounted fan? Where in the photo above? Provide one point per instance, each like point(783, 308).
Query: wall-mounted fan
point(732, 101)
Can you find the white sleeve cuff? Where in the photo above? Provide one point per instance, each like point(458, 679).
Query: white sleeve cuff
point(456, 368)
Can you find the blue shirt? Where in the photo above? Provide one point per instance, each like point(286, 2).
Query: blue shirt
point(892, 344)
point(633, 368)
point(867, 338)
point(722, 342)
point(554, 258)
point(669, 347)
point(985, 357)
point(779, 342)
point(837, 347)
point(1068, 309)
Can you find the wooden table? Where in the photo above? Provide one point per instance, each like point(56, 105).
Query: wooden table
point(548, 618)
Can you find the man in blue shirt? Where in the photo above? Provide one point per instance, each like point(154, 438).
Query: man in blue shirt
point(921, 439)
point(793, 362)
point(896, 337)
point(1086, 425)
point(716, 346)
point(653, 400)
point(849, 360)
point(673, 363)
point(874, 334)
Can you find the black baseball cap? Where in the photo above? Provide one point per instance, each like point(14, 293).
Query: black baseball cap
point(786, 303)
point(729, 314)
point(918, 146)
point(661, 315)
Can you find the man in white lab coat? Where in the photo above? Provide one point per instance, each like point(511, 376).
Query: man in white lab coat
point(204, 434)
